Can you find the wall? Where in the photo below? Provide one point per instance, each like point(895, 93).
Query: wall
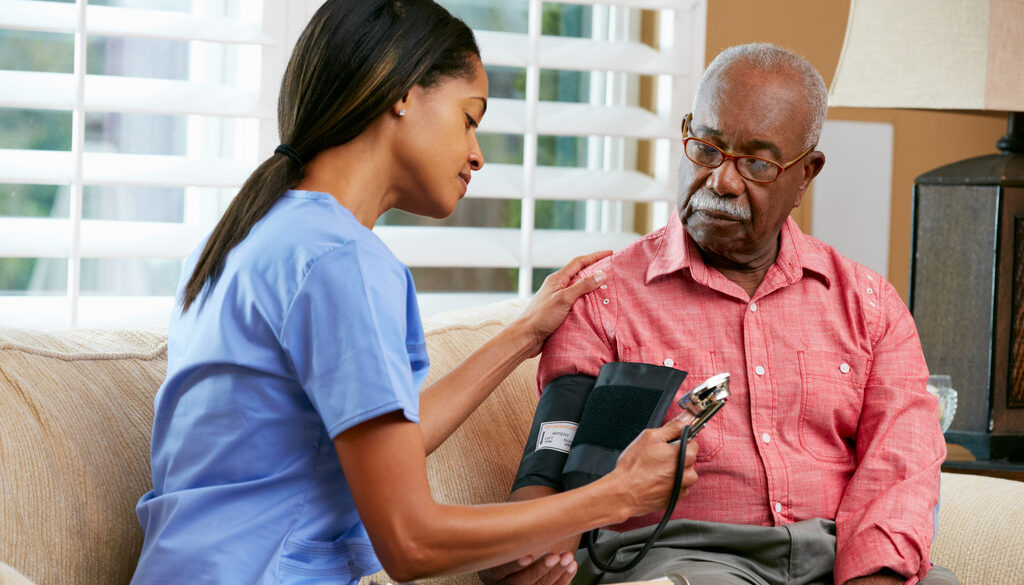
point(923, 139)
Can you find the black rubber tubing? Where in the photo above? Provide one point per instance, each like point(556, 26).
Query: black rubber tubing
point(677, 484)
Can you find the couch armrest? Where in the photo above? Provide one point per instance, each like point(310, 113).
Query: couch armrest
point(981, 529)
point(9, 576)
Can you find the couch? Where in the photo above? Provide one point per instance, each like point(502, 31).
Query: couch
point(75, 417)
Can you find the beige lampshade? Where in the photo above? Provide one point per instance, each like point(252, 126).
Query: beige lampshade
point(936, 54)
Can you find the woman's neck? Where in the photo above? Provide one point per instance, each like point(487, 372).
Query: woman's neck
point(355, 174)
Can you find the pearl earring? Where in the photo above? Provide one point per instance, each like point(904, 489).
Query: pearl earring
point(401, 112)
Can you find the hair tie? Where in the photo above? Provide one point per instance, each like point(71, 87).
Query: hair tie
point(290, 153)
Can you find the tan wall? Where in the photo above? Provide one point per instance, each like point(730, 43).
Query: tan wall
point(923, 139)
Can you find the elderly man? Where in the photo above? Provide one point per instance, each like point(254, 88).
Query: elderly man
point(824, 465)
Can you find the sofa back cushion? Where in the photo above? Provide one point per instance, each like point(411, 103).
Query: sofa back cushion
point(478, 462)
point(76, 412)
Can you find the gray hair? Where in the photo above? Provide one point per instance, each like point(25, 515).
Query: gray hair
point(774, 59)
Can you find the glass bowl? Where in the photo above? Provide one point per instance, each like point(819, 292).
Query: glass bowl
point(941, 386)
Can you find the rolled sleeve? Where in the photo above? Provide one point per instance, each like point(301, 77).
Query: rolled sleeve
point(885, 518)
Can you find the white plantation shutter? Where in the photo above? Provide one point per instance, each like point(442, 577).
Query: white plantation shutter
point(611, 55)
point(163, 107)
point(168, 101)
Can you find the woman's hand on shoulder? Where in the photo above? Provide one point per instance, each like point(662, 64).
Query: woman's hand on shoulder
point(552, 303)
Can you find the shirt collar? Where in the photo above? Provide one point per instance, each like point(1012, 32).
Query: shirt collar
point(797, 254)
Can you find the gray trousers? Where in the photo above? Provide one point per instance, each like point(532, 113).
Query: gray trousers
point(711, 553)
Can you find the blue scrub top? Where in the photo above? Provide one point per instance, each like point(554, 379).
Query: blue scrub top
point(311, 328)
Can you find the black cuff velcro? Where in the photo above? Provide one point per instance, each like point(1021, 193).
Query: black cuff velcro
point(626, 398)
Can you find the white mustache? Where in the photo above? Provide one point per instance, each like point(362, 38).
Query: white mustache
point(704, 200)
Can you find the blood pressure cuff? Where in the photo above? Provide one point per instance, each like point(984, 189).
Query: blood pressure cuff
point(554, 425)
point(582, 424)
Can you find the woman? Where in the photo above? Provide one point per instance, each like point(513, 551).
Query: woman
point(298, 344)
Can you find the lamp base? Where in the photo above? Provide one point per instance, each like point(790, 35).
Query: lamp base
point(986, 446)
point(967, 295)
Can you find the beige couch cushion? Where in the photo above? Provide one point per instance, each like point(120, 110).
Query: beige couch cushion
point(981, 529)
point(76, 410)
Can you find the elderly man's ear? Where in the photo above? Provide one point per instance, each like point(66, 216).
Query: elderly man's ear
point(812, 165)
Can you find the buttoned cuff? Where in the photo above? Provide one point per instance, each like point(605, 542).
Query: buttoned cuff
point(878, 547)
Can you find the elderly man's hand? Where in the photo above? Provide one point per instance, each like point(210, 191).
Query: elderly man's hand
point(545, 569)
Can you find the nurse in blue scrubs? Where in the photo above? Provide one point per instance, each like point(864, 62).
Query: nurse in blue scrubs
point(290, 435)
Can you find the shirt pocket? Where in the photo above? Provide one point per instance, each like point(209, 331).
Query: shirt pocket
point(699, 365)
point(831, 399)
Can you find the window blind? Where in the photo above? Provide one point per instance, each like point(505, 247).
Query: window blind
point(129, 125)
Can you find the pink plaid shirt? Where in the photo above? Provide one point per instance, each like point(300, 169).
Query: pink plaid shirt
point(829, 416)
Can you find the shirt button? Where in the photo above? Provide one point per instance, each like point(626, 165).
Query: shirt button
point(753, 306)
point(759, 371)
point(669, 362)
point(766, 438)
point(778, 507)
point(604, 286)
point(844, 368)
point(606, 301)
point(870, 291)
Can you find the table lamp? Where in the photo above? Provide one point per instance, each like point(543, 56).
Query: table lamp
point(967, 244)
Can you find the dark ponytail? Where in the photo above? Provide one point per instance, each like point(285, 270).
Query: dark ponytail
point(354, 60)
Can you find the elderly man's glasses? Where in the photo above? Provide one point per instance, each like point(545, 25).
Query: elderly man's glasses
point(757, 169)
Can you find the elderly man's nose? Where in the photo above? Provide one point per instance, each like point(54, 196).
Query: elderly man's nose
point(726, 179)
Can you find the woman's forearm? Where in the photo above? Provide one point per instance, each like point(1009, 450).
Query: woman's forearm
point(446, 403)
point(414, 537)
point(453, 541)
